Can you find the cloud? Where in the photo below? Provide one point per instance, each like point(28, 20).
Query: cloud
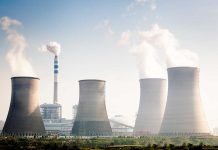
point(137, 3)
point(125, 38)
point(105, 25)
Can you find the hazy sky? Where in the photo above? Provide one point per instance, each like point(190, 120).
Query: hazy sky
point(89, 33)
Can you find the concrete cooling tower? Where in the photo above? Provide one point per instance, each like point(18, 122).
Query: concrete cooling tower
point(184, 112)
point(24, 116)
point(91, 118)
point(151, 106)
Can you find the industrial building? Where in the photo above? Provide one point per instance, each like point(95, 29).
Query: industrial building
point(151, 106)
point(121, 126)
point(24, 116)
point(58, 126)
point(51, 112)
point(184, 113)
point(91, 118)
point(63, 127)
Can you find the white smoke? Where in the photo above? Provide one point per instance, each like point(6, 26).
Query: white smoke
point(149, 63)
point(147, 47)
point(20, 66)
point(176, 56)
point(52, 47)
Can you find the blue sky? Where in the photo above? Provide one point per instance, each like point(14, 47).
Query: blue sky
point(89, 31)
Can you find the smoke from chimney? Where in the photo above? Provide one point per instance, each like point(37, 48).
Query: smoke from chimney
point(54, 48)
point(19, 64)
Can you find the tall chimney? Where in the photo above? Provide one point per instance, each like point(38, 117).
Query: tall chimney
point(56, 67)
point(151, 106)
point(184, 113)
point(91, 117)
point(24, 116)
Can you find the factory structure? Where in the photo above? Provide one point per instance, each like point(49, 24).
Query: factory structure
point(184, 113)
point(24, 118)
point(151, 106)
point(121, 126)
point(92, 96)
point(91, 117)
point(52, 113)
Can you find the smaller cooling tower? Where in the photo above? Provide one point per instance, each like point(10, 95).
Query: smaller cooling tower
point(184, 112)
point(151, 106)
point(24, 116)
point(91, 118)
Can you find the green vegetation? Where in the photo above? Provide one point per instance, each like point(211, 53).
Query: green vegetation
point(150, 143)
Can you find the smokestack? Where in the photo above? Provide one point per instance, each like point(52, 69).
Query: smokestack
point(151, 107)
point(54, 48)
point(24, 116)
point(184, 112)
point(56, 69)
point(91, 118)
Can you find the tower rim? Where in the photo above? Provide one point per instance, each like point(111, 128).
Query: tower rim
point(28, 77)
point(84, 80)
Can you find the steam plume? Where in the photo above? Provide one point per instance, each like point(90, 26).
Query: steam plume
point(176, 56)
point(147, 47)
point(149, 63)
point(52, 47)
point(20, 66)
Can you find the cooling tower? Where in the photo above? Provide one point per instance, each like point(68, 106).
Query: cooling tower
point(151, 106)
point(91, 118)
point(184, 112)
point(24, 116)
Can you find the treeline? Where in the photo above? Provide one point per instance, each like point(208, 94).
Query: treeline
point(34, 143)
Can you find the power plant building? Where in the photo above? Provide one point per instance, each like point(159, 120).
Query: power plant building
point(91, 118)
point(151, 106)
point(24, 116)
point(121, 126)
point(184, 113)
point(51, 112)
